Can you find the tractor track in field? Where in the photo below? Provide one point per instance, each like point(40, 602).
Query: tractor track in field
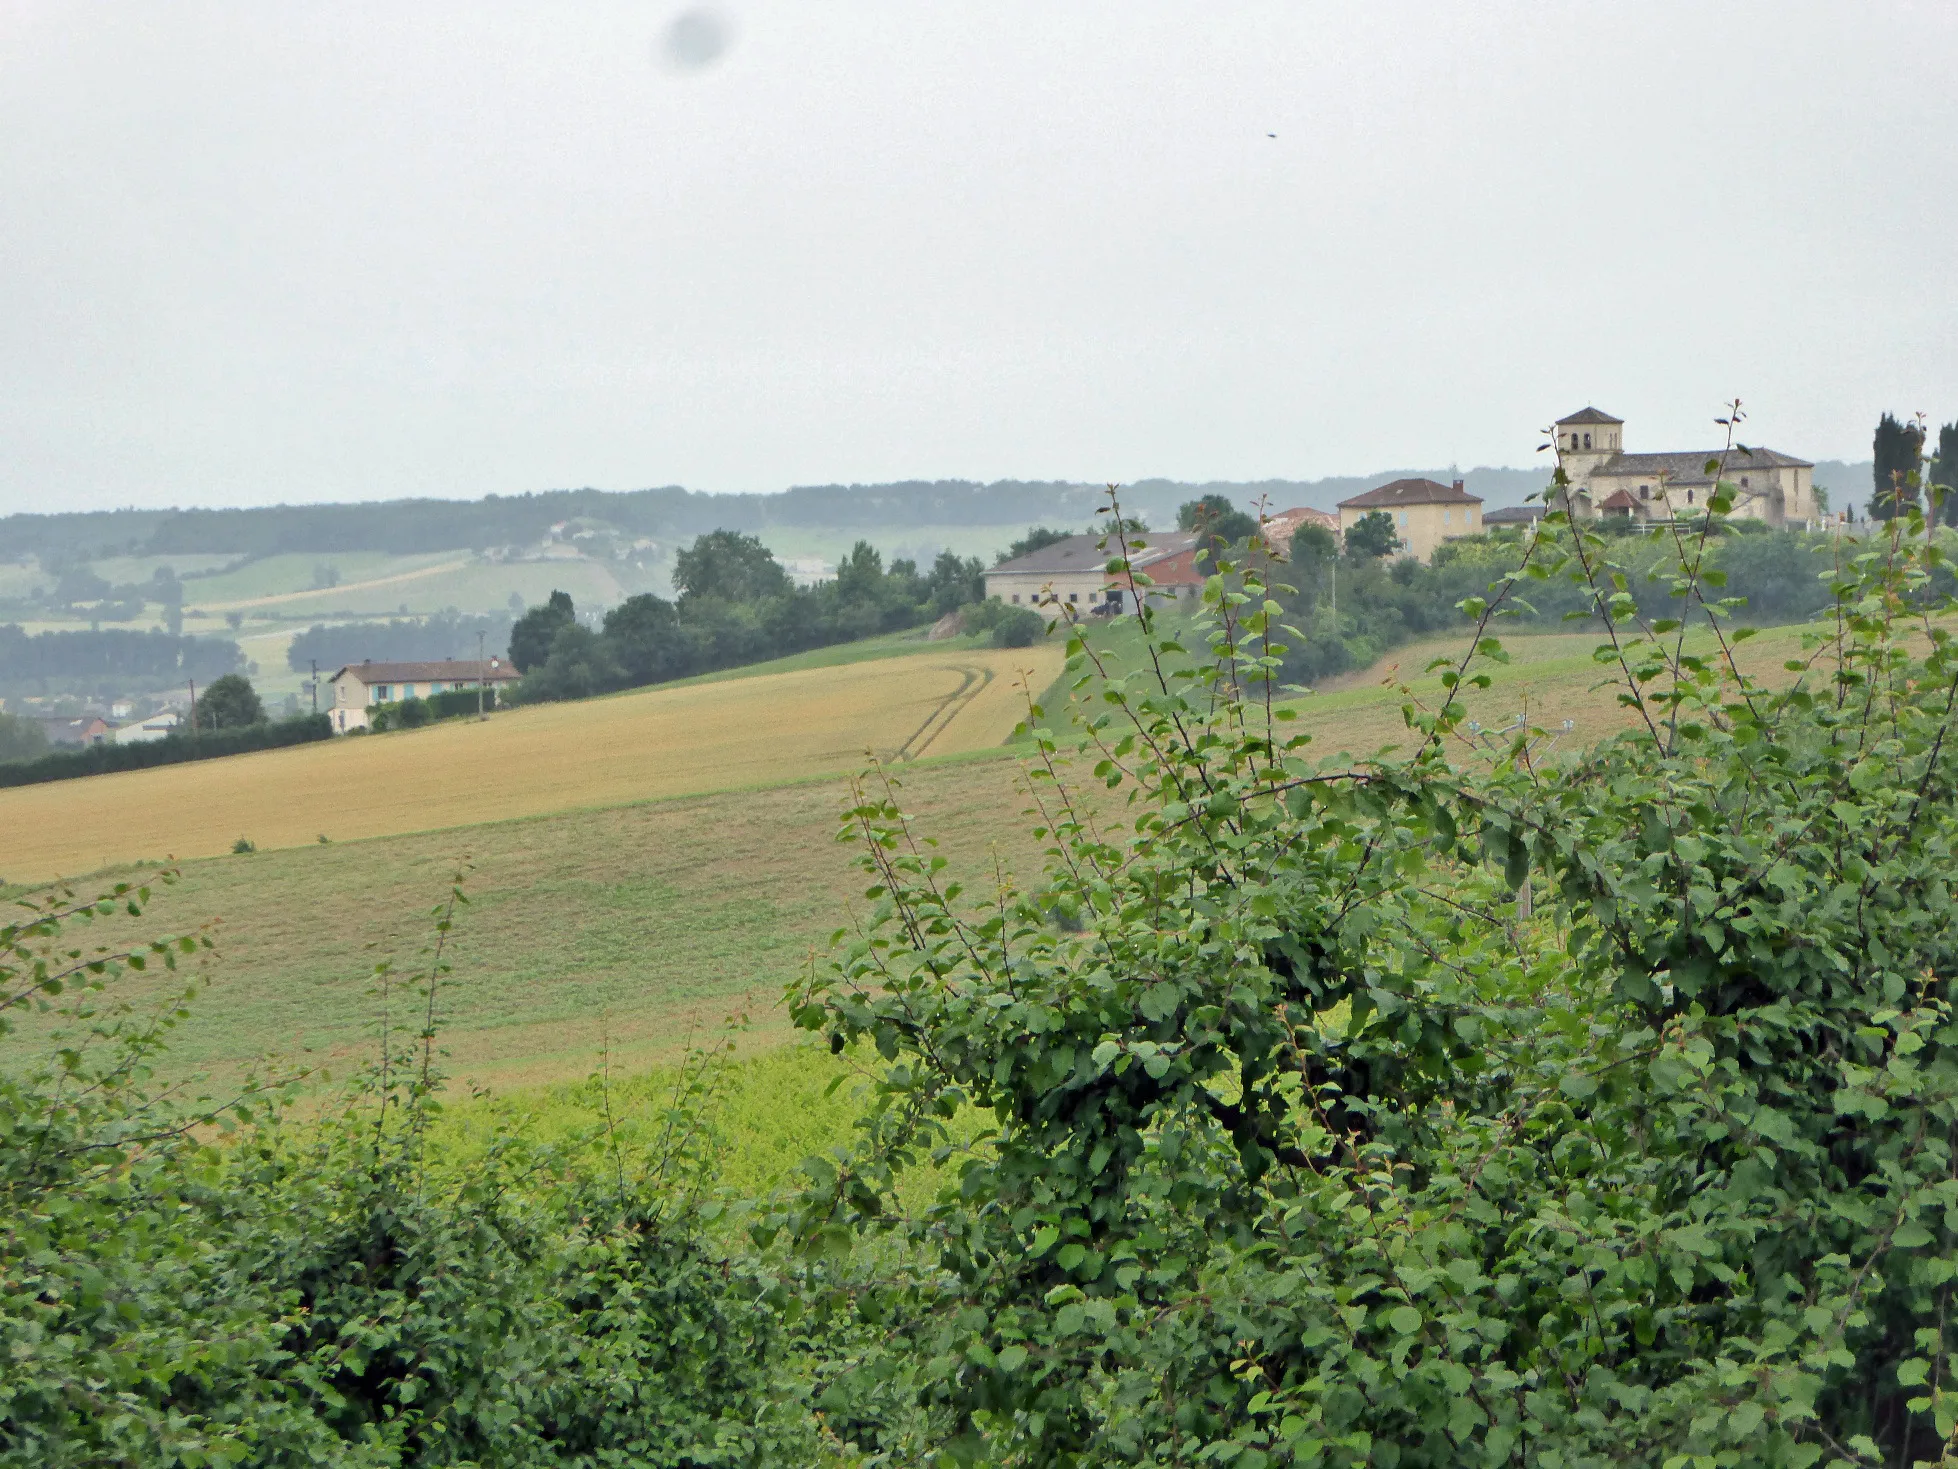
point(971, 685)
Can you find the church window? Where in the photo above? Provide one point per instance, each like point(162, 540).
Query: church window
point(1587, 441)
point(1645, 492)
point(1689, 497)
point(1573, 441)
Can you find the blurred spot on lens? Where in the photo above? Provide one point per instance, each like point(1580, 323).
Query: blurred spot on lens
point(696, 38)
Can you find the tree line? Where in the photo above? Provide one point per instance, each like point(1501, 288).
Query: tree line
point(449, 634)
point(734, 605)
point(111, 659)
point(1352, 601)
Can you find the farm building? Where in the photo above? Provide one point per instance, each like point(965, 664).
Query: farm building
point(359, 687)
point(154, 728)
point(1074, 573)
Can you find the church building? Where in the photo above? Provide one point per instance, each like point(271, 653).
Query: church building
point(1767, 485)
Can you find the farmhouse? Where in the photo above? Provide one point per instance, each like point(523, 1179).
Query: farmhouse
point(1424, 513)
point(359, 687)
point(1769, 486)
point(1074, 573)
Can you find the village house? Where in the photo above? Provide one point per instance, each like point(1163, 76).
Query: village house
point(1424, 513)
point(360, 687)
point(89, 729)
point(1775, 488)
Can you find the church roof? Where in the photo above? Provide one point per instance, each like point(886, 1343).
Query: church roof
point(1688, 467)
point(1589, 415)
point(1411, 492)
point(1619, 499)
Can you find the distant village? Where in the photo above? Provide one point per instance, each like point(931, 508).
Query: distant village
point(1607, 481)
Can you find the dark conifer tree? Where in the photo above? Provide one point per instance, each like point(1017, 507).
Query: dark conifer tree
point(1897, 453)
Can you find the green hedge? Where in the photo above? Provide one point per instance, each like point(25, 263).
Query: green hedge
point(170, 750)
point(413, 713)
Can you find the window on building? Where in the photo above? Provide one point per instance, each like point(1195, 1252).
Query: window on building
point(1587, 441)
point(1403, 519)
point(380, 693)
point(1743, 482)
point(1689, 497)
point(1645, 492)
point(1444, 517)
point(1073, 596)
point(1016, 599)
point(1573, 441)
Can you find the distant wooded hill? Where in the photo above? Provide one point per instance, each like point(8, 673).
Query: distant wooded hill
point(405, 526)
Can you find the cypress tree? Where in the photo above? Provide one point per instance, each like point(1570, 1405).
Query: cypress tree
point(1897, 452)
point(1944, 471)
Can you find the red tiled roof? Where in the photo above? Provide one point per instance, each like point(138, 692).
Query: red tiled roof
point(1411, 492)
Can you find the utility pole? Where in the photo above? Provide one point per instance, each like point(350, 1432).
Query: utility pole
point(193, 708)
point(316, 683)
point(482, 674)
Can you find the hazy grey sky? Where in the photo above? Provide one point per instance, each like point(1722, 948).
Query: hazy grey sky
point(253, 252)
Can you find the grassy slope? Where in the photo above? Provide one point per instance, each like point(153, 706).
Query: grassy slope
point(652, 921)
point(647, 922)
point(632, 747)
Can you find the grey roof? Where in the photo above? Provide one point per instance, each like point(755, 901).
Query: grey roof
point(1686, 467)
point(446, 671)
point(1087, 554)
point(1411, 492)
point(1514, 515)
point(1589, 415)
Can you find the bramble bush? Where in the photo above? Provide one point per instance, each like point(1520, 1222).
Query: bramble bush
point(1320, 1144)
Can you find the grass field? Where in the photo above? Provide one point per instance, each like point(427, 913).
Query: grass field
point(630, 747)
point(646, 922)
point(274, 576)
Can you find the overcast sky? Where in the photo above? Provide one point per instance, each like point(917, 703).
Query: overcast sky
point(299, 251)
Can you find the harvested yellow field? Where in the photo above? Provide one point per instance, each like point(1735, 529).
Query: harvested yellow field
point(641, 746)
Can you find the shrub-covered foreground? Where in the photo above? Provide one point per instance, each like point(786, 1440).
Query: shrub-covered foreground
point(1486, 1104)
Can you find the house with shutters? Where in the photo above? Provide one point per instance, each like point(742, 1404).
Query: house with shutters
point(1605, 481)
point(359, 688)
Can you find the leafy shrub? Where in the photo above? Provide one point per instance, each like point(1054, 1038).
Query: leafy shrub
point(327, 1292)
point(1018, 627)
point(243, 846)
point(1318, 1147)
